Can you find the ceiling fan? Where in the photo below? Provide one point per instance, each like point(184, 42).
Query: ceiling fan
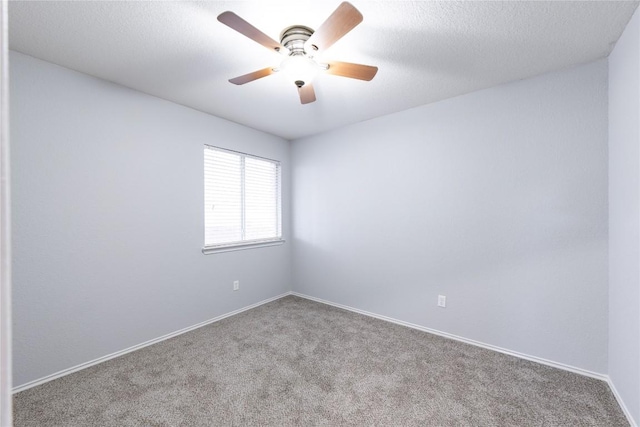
point(300, 45)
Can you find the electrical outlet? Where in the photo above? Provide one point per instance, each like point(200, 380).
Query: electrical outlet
point(442, 301)
point(236, 285)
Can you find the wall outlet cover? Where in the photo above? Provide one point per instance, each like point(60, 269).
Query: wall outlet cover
point(442, 301)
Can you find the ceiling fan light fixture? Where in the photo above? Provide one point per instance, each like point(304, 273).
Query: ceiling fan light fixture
point(299, 45)
point(299, 68)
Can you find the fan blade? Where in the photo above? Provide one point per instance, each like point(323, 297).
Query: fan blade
point(353, 71)
point(233, 21)
point(307, 94)
point(342, 20)
point(240, 80)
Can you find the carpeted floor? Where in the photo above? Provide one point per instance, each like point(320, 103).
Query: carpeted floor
point(297, 362)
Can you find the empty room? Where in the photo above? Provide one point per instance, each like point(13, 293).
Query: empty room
point(296, 213)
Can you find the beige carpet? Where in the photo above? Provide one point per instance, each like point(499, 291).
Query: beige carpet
point(297, 362)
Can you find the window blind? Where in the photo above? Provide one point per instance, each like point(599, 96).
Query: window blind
point(241, 198)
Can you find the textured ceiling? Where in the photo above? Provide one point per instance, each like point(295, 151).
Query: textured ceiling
point(425, 51)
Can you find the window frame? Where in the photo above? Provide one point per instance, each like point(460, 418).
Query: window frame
point(254, 243)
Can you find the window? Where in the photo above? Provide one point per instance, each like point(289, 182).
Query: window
point(241, 201)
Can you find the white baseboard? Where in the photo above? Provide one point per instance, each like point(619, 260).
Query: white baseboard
point(138, 346)
point(621, 403)
point(547, 362)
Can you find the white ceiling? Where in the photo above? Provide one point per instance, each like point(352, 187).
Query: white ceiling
point(426, 51)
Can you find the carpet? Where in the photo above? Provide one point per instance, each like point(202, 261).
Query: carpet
point(295, 362)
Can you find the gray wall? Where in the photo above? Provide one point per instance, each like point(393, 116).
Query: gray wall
point(108, 219)
point(624, 217)
point(496, 199)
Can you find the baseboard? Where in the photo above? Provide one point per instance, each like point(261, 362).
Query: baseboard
point(85, 365)
point(547, 362)
point(621, 403)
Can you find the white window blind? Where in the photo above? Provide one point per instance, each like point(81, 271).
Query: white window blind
point(241, 198)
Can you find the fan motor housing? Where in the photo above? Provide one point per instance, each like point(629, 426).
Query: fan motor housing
point(294, 38)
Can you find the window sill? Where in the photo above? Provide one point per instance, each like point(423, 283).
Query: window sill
point(240, 246)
